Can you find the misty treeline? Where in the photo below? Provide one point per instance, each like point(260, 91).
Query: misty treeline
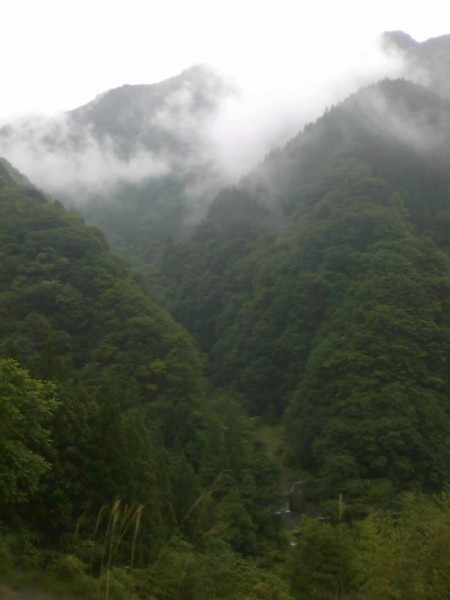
point(138, 454)
point(336, 319)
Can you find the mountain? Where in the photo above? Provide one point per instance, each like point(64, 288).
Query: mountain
point(319, 287)
point(425, 62)
point(136, 160)
point(272, 270)
point(313, 296)
point(164, 117)
point(108, 423)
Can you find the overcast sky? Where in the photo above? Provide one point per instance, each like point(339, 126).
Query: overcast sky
point(58, 54)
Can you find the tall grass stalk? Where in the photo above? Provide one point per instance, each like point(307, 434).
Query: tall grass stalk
point(120, 518)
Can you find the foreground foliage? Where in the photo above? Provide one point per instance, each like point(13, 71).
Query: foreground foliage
point(109, 429)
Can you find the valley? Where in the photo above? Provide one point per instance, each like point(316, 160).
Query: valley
point(228, 389)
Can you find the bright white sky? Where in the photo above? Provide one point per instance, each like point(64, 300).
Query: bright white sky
point(58, 54)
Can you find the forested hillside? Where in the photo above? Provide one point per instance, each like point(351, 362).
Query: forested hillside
point(259, 408)
point(108, 425)
point(319, 289)
point(136, 161)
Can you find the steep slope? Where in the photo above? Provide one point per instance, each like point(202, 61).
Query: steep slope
point(126, 413)
point(136, 161)
point(427, 62)
point(334, 306)
point(161, 117)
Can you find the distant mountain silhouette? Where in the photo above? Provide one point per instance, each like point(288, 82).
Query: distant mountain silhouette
point(426, 62)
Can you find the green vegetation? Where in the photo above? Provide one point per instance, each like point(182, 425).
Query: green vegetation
point(402, 553)
point(105, 411)
point(336, 319)
point(137, 461)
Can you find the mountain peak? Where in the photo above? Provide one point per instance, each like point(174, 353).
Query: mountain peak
point(198, 76)
point(170, 113)
point(404, 42)
point(426, 63)
point(399, 40)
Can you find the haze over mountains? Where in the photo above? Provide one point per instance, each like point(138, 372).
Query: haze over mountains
point(148, 144)
point(157, 151)
point(128, 134)
point(427, 62)
point(309, 334)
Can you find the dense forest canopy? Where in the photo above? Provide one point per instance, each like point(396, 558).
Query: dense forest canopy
point(104, 402)
point(153, 417)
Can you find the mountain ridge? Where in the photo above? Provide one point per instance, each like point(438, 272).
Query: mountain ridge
point(317, 289)
point(426, 62)
point(145, 151)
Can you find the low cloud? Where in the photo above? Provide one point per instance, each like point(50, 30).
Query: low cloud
point(216, 127)
point(73, 164)
point(415, 122)
point(272, 105)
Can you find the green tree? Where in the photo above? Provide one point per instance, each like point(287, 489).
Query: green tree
point(26, 408)
point(320, 567)
point(405, 554)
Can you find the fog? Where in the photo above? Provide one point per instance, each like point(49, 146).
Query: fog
point(283, 62)
point(244, 112)
point(267, 111)
point(40, 149)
